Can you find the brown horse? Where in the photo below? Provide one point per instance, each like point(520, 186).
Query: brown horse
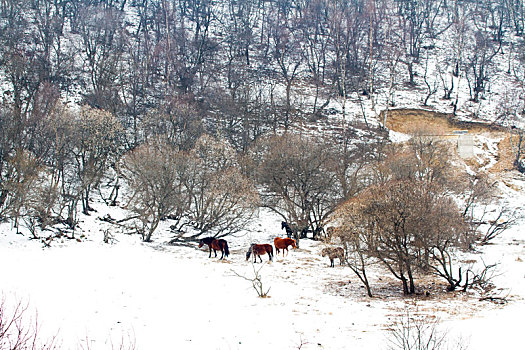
point(283, 243)
point(215, 244)
point(259, 249)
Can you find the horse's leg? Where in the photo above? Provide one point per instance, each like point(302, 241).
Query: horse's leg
point(260, 258)
point(332, 262)
point(222, 256)
point(209, 255)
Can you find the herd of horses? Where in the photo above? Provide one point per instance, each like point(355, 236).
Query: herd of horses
point(257, 250)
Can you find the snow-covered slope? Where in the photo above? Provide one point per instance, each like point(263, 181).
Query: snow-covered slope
point(160, 296)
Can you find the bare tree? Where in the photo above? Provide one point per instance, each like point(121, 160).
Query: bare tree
point(443, 234)
point(18, 331)
point(348, 49)
point(503, 220)
point(186, 45)
point(222, 199)
point(25, 170)
point(479, 64)
point(179, 121)
point(517, 143)
point(392, 56)
point(299, 183)
point(450, 69)
point(285, 52)
point(244, 99)
point(25, 147)
point(432, 86)
point(62, 174)
point(478, 198)
point(353, 237)
point(401, 220)
point(256, 281)
point(392, 217)
point(314, 42)
point(153, 175)
point(419, 332)
point(475, 191)
point(103, 39)
point(96, 142)
point(71, 152)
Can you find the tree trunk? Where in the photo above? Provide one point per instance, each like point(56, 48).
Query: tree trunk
point(405, 285)
point(297, 237)
point(366, 283)
point(152, 228)
point(412, 286)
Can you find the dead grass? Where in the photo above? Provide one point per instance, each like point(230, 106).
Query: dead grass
point(505, 156)
point(408, 120)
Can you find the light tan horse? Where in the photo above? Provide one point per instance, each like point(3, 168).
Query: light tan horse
point(333, 253)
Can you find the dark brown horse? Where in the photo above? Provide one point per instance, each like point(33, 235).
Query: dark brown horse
point(259, 249)
point(285, 226)
point(283, 243)
point(215, 244)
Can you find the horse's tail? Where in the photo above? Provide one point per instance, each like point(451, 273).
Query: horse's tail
point(226, 249)
point(268, 249)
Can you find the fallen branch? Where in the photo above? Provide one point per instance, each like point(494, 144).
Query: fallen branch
point(495, 300)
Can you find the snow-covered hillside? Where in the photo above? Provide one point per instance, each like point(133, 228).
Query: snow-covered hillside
point(240, 69)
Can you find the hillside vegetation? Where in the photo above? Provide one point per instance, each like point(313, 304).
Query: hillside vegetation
point(85, 83)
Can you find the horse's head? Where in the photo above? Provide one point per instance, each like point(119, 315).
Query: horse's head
point(249, 252)
point(293, 244)
point(201, 243)
point(325, 252)
point(283, 225)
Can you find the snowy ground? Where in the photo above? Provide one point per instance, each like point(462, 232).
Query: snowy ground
point(94, 295)
point(164, 297)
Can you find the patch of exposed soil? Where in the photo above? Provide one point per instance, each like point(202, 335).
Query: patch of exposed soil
point(411, 121)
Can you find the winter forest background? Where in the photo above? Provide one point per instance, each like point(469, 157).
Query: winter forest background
point(85, 83)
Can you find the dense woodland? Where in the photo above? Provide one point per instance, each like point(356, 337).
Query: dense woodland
point(188, 110)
